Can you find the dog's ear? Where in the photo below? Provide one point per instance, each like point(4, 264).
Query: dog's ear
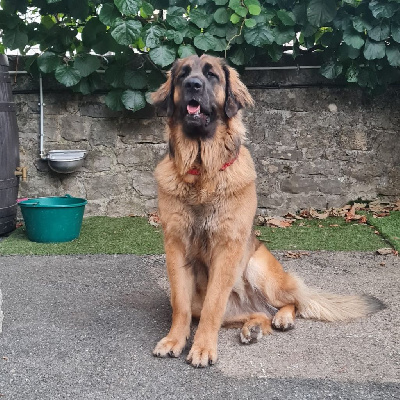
point(236, 94)
point(163, 98)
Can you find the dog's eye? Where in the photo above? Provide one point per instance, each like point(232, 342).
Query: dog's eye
point(211, 74)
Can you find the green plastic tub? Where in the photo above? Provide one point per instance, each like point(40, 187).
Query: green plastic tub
point(53, 219)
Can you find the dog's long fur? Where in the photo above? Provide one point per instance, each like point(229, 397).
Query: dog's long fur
point(218, 271)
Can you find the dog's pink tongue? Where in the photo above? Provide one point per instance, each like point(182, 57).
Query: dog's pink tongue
point(193, 109)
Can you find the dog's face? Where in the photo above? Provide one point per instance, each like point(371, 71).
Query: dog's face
point(199, 92)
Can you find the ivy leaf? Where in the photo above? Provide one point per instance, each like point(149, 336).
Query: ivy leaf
point(220, 2)
point(153, 35)
point(221, 16)
point(352, 74)
point(319, 12)
point(241, 11)
point(253, 6)
point(114, 75)
point(395, 29)
point(287, 17)
point(361, 25)
point(374, 50)
point(15, 39)
point(348, 52)
point(259, 36)
point(67, 75)
point(200, 17)
point(331, 69)
point(163, 55)
point(146, 10)
point(383, 9)
point(283, 34)
point(128, 7)
point(235, 18)
point(48, 62)
point(250, 22)
point(186, 50)
point(175, 18)
point(380, 31)
point(393, 55)
point(86, 64)
point(133, 100)
point(126, 31)
point(206, 42)
point(113, 100)
point(108, 14)
point(242, 54)
point(352, 38)
point(275, 52)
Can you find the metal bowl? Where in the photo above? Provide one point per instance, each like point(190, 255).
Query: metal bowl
point(65, 161)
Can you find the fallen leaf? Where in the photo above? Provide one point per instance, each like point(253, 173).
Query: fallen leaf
point(278, 222)
point(260, 220)
point(320, 226)
point(296, 254)
point(385, 251)
point(257, 233)
point(292, 216)
point(154, 219)
point(315, 214)
point(333, 225)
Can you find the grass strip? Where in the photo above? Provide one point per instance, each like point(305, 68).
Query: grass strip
point(127, 235)
point(389, 227)
point(329, 234)
point(99, 235)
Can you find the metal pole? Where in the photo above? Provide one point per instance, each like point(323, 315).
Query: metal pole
point(42, 155)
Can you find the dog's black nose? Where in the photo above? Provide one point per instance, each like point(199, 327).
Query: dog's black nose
point(194, 84)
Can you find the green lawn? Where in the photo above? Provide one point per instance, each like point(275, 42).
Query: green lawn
point(104, 235)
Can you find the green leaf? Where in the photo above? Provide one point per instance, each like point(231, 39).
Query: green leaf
point(374, 50)
point(286, 17)
point(175, 17)
point(380, 31)
point(242, 11)
point(348, 52)
point(207, 42)
point(113, 100)
point(128, 7)
point(200, 17)
point(352, 74)
point(67, 75)
point(153, 35)
point(250, 22)
point(361, 25)
point(126, 31)
point(86, 64)
point(283, 35)
point(253, 6)
point(163, 55)
point(331, 70)
point(133, 100)
point(186, 50)
point(393, 55)
point(352, 38)
point(115, 74)
point(259, 36)
point(15, 39)
point(319, 12)
point(220, 2)
point(48, 62)
point(108, 14)
point(383, 9)
point(235, 19)
point(396, 32)
point(146, 11)
point(135, 78)
point(221, 16)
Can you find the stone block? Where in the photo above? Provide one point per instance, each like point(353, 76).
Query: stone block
point(103, 132)
point(144, 183)
point(297, 184)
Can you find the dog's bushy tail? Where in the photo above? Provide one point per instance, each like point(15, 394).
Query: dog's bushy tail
point(314, 304)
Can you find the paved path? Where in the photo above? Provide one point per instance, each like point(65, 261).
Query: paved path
point(83, 327)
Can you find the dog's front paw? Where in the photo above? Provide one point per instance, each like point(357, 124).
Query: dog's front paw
point(169, 346)
point(202, 356)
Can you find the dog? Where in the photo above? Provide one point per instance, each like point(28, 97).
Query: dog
point(218, 271)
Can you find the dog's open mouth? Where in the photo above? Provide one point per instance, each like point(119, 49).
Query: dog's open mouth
point(195, 111)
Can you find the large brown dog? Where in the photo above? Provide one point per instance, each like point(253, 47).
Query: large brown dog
point(218, 271)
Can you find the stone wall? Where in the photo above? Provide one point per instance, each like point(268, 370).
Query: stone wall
point(313, 145)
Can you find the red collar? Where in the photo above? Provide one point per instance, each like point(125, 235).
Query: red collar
point(195, 171)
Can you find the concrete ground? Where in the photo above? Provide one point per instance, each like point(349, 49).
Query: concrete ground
point(83, 327)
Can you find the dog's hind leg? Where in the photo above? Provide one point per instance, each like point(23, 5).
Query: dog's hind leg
point(265, 274)
point(254, 326)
